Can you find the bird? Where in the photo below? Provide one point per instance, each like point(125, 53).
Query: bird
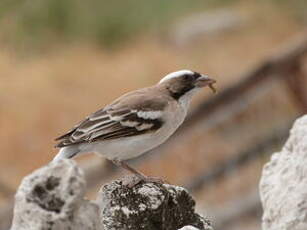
point(136, 122)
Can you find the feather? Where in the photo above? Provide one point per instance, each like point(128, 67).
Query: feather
point(117, 121)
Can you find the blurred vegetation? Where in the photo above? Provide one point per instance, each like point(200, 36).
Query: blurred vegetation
point(297, 8)
point(35, 22)
point(107, 22)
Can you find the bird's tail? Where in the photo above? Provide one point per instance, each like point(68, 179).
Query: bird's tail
point(65, 153)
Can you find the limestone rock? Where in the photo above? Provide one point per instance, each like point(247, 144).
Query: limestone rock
point(147, 206)
point(188, 227)
point(283, 187)
point(51, 198)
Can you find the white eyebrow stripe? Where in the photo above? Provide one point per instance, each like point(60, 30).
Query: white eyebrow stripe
point(175, 74)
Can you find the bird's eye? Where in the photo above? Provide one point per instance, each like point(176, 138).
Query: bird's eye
point(196, 75)
point(186, 77)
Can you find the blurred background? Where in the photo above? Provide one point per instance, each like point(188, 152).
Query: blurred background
point(63, 59)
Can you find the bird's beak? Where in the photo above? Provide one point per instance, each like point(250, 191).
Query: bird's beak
point(204, 80)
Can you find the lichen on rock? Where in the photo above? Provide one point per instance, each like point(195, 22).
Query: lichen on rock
point(51, 198)
point(148, 206)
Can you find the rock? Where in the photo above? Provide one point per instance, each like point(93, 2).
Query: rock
point(51, 198)
point(283, 184)
point(188, 227)
point(147, 206)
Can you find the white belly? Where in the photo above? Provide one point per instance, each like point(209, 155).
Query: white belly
point(130, 147)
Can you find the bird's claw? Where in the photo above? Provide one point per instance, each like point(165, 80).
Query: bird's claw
point(133, 181)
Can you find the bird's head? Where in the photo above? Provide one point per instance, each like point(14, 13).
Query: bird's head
point(186, 82)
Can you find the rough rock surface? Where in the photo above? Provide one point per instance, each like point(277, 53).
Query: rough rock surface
point(188, 227)
point(51, 198)
point(148, 206)
point(283, 187)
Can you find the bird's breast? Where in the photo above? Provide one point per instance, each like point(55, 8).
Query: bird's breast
point(174, 117)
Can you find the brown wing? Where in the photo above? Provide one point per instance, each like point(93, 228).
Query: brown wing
point(117, 121)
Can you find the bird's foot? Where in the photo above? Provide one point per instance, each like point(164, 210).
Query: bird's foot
point(133, 181)
point(157, 180)
point(139, 177)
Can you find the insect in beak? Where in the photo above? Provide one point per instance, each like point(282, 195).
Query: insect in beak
point(204, 80)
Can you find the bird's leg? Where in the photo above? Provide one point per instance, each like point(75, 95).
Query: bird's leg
point(124, 165)
point(140, 176)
